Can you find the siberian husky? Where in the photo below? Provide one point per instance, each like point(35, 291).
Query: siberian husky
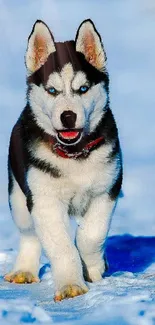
point(64, 159)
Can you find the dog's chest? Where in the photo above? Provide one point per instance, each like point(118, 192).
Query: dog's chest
point(85, 180)
point(80, 181)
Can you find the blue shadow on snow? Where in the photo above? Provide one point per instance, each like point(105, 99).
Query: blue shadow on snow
point(128, 253)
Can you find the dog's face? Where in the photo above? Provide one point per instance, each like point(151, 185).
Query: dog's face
point(68, 83)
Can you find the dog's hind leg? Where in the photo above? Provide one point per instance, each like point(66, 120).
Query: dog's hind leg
point(26, 267)
point(91, 236)
point(27, 263)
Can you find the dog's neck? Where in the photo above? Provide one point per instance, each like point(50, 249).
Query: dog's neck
point(63, 151)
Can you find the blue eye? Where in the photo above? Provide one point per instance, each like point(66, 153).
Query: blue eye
point(52, 91)
point(83, 89)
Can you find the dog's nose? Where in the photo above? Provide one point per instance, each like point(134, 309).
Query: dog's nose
point(68, 119)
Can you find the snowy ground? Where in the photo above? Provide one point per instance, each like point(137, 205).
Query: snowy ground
point(127, 294)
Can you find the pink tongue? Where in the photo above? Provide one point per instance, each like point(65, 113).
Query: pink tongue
point(69, 134)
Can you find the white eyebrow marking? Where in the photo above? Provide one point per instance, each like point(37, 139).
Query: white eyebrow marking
point(79, 80)
point(55, 81)
point(67, 80)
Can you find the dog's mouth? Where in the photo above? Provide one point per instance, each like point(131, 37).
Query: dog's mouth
point(69, 137)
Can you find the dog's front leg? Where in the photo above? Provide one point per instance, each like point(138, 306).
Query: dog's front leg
point(52, 227)
point(91, 236)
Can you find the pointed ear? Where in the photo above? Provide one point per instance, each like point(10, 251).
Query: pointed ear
point(88, 41)
point(40, 46)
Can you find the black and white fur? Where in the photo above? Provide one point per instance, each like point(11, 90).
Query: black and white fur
point(45, 188)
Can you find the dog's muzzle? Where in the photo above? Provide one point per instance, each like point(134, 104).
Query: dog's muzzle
point(69, 136)
point(68, 119)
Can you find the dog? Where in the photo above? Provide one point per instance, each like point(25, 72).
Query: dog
point(64, 160)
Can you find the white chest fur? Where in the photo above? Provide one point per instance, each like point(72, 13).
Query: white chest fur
point(80, 179)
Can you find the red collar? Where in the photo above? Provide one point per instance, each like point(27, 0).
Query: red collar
point(84, 152)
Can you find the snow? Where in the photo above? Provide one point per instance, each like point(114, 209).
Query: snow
point(127, 294)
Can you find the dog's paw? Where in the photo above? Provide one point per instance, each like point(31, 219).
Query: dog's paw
point(69, 291)
point(21, 277)
point(95, 273)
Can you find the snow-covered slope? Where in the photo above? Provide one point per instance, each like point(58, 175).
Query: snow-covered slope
point(127, 294)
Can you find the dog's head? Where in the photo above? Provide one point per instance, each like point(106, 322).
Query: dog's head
point(67, 82)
